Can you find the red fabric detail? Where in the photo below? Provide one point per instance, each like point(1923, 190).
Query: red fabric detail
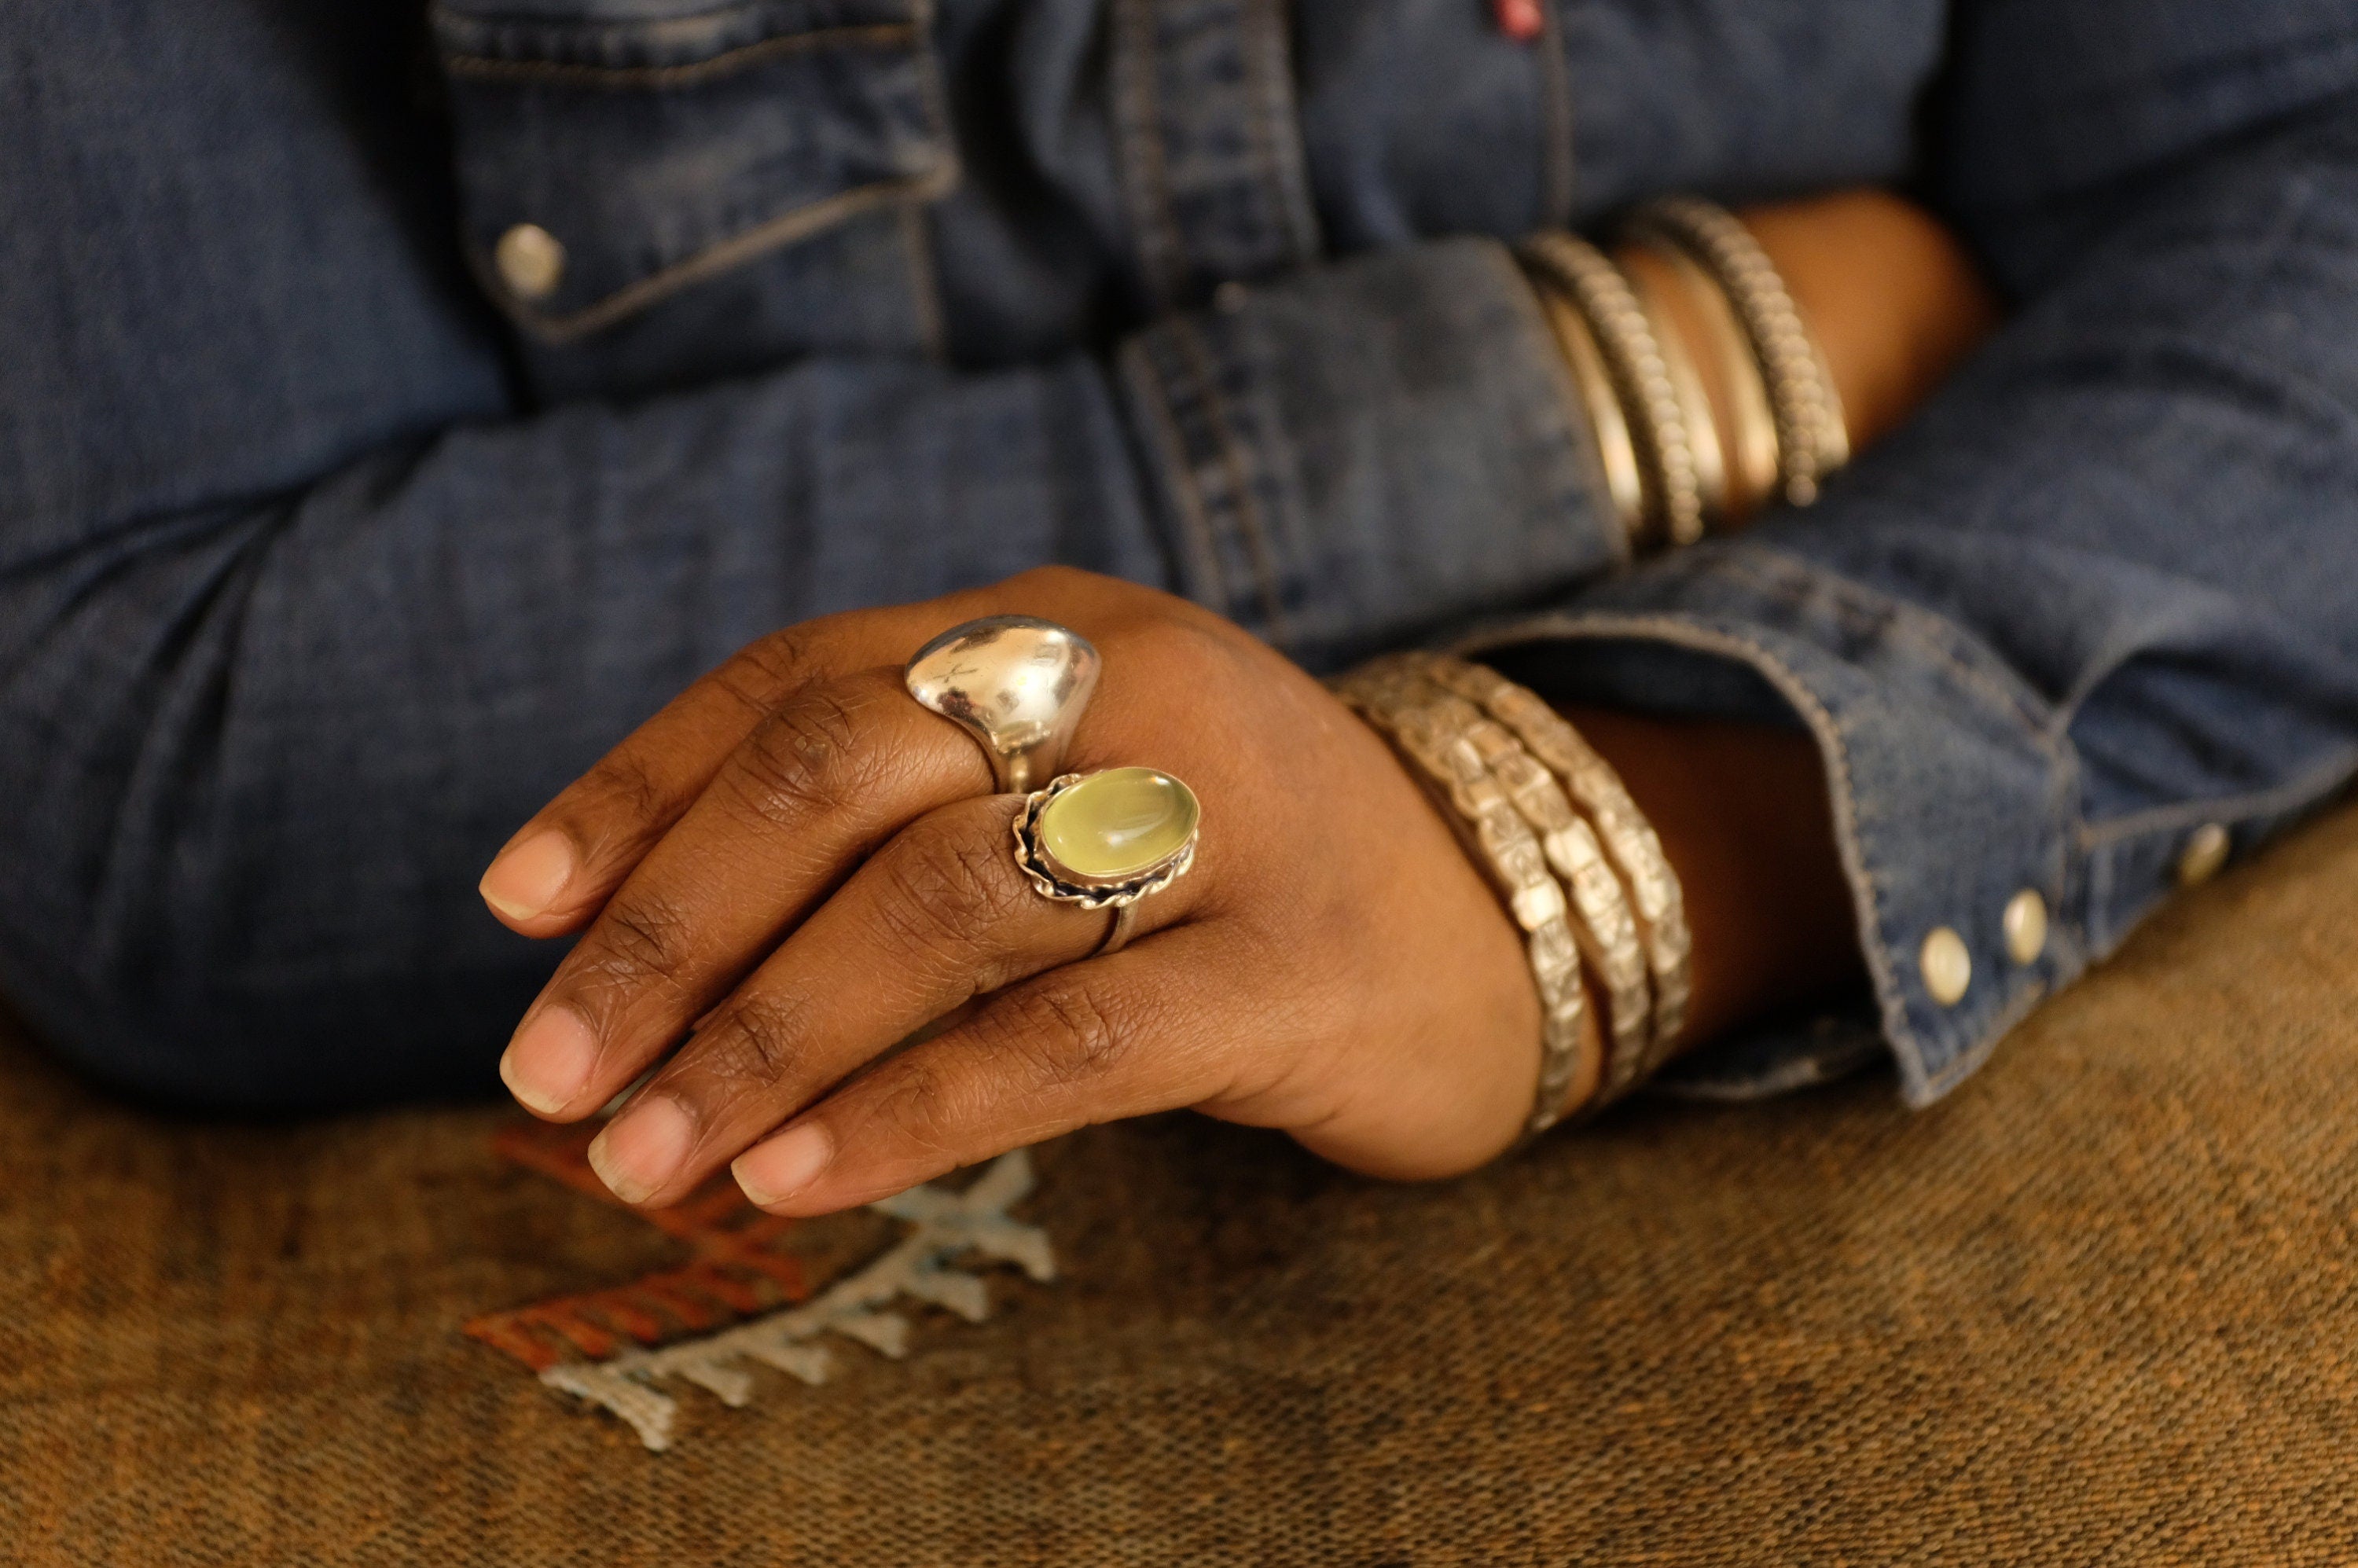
point(735, 1270)
point(1521, 20)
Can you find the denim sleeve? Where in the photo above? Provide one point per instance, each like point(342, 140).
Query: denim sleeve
point(2096, 604)
point(257, 748)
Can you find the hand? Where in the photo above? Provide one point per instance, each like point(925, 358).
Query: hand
point(794, 867)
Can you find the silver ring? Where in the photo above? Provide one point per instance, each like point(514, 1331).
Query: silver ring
point(1119, 932)
point(1016, 684)
point(1106, 840)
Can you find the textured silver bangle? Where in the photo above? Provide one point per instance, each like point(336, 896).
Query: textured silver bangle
point(1479, 808)
point(1606, 927)
point(1812, 438)
point(1634, 357)
point(1627, 838)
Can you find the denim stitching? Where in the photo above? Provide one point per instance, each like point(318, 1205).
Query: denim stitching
point(724, 256)
point(1136, 60)
point(1867, 610)
point(1233, 453)
point(925, 282)
point(492, 67)
point(2310, 789)
point(1148, 391)
point(1269, 59)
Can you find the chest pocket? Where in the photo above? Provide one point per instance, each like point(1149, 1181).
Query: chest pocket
point(658, 191)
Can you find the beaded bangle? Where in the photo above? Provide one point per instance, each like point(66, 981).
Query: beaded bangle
point(1712, 489)
point(1634, 357)
point(1812, 439)
point(1627, 838)
point(1510, 855)
point(1617, 452)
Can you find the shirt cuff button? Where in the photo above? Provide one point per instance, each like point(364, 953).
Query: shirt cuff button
point(1948, 967)
point(2025, 926)
point(2205, 852)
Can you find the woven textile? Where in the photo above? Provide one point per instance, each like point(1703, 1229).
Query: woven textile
point(2099, 1306)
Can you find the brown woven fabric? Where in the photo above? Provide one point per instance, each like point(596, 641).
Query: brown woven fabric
point(2097, 1307)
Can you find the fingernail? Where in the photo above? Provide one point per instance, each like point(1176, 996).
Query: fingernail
point(547, 1065)
point(773, 1172)
point(526, 880)
point(639, 1154)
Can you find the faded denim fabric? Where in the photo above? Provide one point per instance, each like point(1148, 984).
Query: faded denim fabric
point(325, 556)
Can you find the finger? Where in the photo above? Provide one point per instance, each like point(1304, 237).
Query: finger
point(559, 867)
point(937, 918)
point(1153, 1027)
point(816, 785)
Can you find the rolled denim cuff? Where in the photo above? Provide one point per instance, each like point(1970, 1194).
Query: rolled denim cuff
point(1350, 455)
point(1955, 786)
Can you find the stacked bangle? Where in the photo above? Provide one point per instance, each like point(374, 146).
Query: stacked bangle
point(1633, 355)
point(1616, 451)
point(1557, 834)
point(1628, 839)
point(1812, 439)
point(1435, 743)
point(1669, 471)
point(1751, 444)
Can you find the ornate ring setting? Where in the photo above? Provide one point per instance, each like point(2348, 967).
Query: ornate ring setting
point(1017, 684)
point(1106, 840)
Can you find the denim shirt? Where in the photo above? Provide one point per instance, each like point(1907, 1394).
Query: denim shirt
point(339, 527)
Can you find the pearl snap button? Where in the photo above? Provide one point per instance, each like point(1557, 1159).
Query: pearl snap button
point(2205, 852)
point(531, 261)
point(2025, 926)
point(1948, 967)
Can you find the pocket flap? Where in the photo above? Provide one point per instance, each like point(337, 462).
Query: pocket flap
point(613, 152)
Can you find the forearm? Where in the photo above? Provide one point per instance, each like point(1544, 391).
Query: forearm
point(263, 752)
point(2089, 612)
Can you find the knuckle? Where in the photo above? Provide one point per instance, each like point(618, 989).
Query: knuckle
point(617, 792)
point(946, 895)
point(761, 1040)
point(926, 1103)
point(1065, 1032)
point(804, 760)
point(766, 672)
point(639, 940)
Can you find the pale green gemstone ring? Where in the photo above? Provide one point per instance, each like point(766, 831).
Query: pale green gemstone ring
point(1106, 840)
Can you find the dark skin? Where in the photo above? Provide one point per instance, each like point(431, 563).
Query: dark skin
point(1742, 810)
point(793, 869)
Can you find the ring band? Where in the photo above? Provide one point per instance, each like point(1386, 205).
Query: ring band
point(1118, 933)
point(1017, 684)
point(1106, 840)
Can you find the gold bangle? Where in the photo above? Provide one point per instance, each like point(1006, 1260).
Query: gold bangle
point(1627, 838)
point(1751, 447)
point(1694, 402)
point(1617, 452)
point(1479, 810)
point(1812, 439)
point(1634, 357)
